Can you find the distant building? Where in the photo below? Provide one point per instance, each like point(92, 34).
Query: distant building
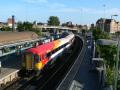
point(83, 27)
point(92, 26)
point(99, 24)
point(68, 24)
point(3, 24)
point(40, 23)
point(108, 25)
point(10, 21)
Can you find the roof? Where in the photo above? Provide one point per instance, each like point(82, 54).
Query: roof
point(99, 20)
point(106, 42)
point(108, 20)
point(48, 47)
point(42, 48)
point(12, 37)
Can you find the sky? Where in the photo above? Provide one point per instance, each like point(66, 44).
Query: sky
point(77, 11)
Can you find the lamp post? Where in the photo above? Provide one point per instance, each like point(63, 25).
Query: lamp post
point(117, 61)
point(115, 15)
point(104, 17)
point(117, 57)
point(114, 65)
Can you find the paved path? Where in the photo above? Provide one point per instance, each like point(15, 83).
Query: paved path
point(89, 80)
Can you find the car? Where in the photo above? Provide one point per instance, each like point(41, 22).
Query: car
point(87, 41)
point(89, 46)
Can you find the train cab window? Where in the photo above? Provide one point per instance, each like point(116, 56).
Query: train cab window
point(37, 58)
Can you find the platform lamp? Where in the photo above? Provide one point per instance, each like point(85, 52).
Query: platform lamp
point(114, 15)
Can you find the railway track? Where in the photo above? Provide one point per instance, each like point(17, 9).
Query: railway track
point(18, 83)
point(51, 77)
point(56, 78)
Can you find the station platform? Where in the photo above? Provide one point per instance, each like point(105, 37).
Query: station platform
point(10, 66)
point(85, 79)
point(80, 76)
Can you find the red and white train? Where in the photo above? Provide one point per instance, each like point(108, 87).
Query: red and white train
point(36, 58)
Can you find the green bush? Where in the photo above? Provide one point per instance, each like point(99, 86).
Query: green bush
point(109, 76)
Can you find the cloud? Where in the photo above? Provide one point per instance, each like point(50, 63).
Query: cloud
point(85, 10)
point(113, 11)
point(67, 10)
point(36, 1)
point(56, 5)
point(107, 12)
point(70, 10)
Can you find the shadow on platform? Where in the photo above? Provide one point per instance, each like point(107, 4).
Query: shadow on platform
point(11, 61)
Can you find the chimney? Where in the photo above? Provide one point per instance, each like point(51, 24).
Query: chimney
point(13, 23)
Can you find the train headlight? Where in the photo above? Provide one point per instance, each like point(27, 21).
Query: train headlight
point(39, 65)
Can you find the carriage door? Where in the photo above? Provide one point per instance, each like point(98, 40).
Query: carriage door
point(29, 61)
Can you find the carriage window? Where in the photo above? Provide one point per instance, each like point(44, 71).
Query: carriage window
point(48, 54)
point(53, 52)
point(56, 49)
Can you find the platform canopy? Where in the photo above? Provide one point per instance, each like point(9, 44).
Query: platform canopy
point(12, 37)
point(106, 42)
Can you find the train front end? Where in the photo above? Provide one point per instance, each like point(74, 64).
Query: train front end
point(31, 64)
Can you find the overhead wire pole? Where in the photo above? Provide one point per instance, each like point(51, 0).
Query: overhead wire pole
point(104, 9)
point(104, 16)
point(81, 14)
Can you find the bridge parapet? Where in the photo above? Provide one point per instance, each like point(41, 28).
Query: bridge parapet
point(57, 27)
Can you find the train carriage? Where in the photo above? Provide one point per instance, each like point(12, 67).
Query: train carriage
point(36, 58)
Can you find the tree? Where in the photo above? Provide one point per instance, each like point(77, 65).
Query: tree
point(110, 76)
point(37, 31)
point(99, 34)
point(54, 21)
point(6, 29)
point(107, 52)
point(25, 26)
point(118, 87)
point(83, 32)
point(20, 26)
